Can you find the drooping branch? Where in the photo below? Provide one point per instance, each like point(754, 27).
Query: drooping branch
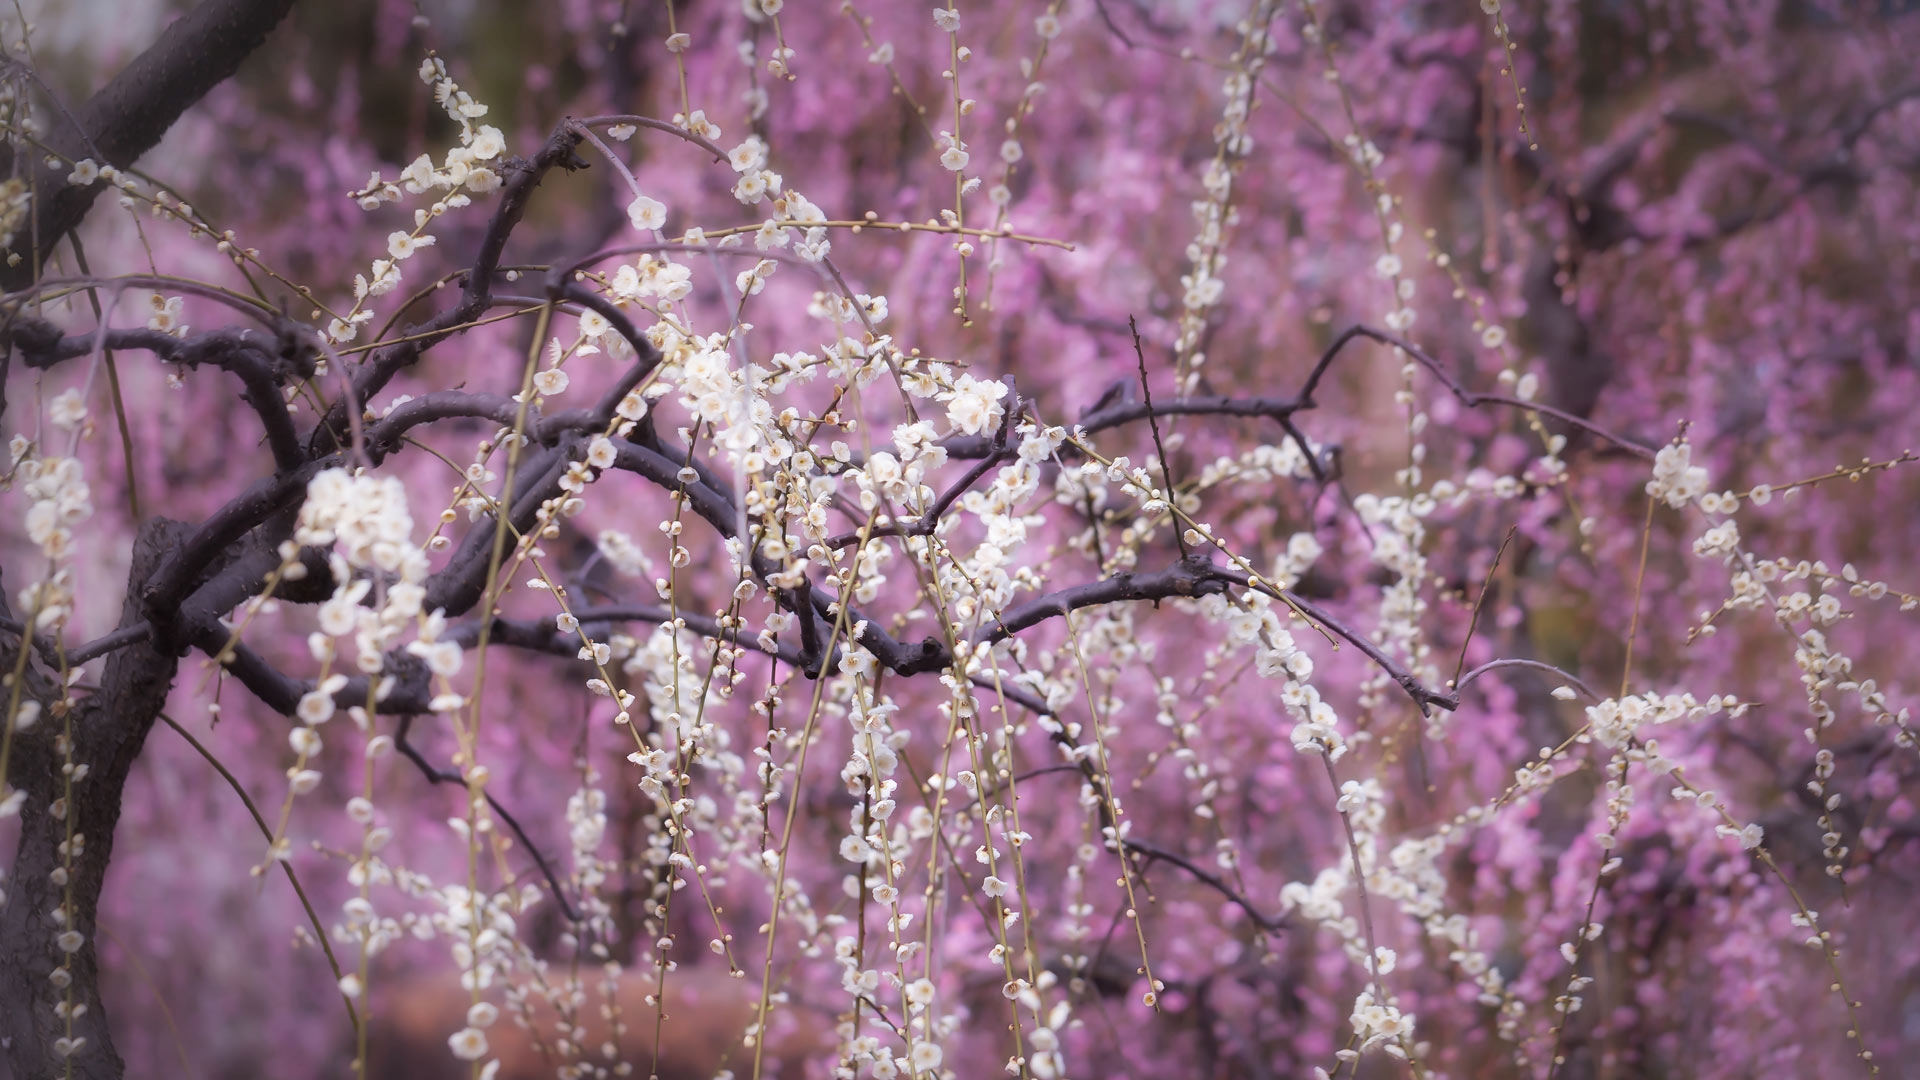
point(457, 587)
point(448, 776)
point(543, 637)
point(1152, 853)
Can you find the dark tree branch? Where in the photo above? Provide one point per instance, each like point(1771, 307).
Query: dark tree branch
point(1282, 410)
point(447, 776)
point(262, 369)
point(189, 559)
point(1423, 696)
point(1191, 577)
point(521, 178)
point(127, 117)
point(1516, 662)
point(541, 636)
point(42, 345)
point(456, 588)
point(997, 452)
point(1152, 853)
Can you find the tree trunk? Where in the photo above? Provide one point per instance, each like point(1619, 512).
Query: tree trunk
point(108, 729)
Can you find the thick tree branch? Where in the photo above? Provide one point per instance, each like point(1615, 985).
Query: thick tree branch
point(128, 116)
point(1187, 578)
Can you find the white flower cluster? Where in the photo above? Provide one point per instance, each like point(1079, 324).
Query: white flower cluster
point(1303, 550)
point(1377, 1021)
point(1202, 286)
point(465, 165)
point(923, 1031)
point(1320, 902)
point(367, 521)
point(586, 832)
point(623, 554)
point(1676, 479)
point(58, 499)
point(1750, 835)
point(1722, 541)
point(734, 402)
point(1822, 668)
point(1254, 622)
point(869, 771)
point(1045, 1059)
point(468, 167)
point(1398, 526)
point(1263, 464)
point(366, 518)
point(974, 405)
point(165, 315)
point(749, 159)
point(1412, 879)
point(1375, 1024)
point(652, 277)
point(482, 929)
point(68, 410)
point(1616, 721)
point(681, 704)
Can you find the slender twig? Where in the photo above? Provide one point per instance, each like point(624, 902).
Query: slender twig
point(1153, 424)
point(313, 917)
point(1478, 603)
point(447, 776)
point(1495, 665)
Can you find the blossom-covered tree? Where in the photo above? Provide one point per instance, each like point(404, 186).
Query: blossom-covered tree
point(1073, 539)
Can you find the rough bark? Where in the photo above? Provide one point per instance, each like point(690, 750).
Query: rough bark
point(109, 727)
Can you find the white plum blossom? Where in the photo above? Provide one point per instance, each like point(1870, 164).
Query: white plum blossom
point(468, 1044)
point(551, 382)
point(749, 155)
point(402, 245)
point(601, 453)
point(1374, 1024)
point(1617, 720)
point(647, 214)
point(487, 143)
point(926, 1057)
point(1675, 478)
point(366, 518)
point(68, 409)
point(166, 314)
point(974, 405)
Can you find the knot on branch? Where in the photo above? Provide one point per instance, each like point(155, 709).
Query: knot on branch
point(930, 655)
point(35, 337)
